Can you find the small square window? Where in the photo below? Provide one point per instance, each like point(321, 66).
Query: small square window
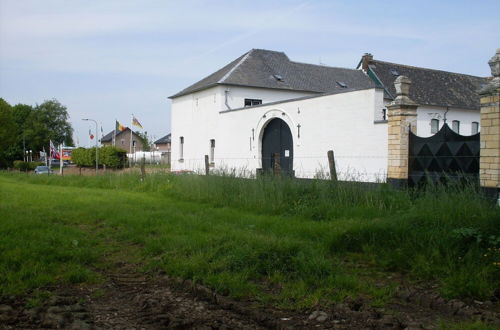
point(252, 102)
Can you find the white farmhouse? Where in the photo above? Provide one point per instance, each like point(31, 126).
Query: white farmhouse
point(263, 109)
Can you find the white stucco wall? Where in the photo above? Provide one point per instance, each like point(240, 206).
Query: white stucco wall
point(237, 95)
point(426, 113)
point(341, 122)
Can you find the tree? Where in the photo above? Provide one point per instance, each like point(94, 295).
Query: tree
point(54, 116)
point(146, 143)
point(31, 128)
point(7, 133)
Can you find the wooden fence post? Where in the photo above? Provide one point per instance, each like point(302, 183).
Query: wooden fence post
point(331, 164)
point(143, 168)
point(207, 166)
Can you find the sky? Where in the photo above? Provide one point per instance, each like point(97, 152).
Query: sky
point(109, 59)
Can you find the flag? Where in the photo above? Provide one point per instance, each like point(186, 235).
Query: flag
point(53, 151)
point(135, 122)
point(119, 127)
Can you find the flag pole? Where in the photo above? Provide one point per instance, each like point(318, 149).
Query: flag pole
point(131, 136)
point(50, 157)
point(61, 159)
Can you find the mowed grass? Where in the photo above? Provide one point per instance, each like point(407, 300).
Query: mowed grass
point(278, 241)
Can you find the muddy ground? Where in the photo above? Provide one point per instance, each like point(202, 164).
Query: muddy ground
point(131, 300)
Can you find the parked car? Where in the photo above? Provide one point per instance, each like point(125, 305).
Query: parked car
point(57, 162)
point(42, 170)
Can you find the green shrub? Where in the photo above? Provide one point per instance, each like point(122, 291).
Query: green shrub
point(112, 156)
point(108, 155)
point(26, 166)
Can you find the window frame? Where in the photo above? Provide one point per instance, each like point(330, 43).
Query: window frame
point(457, 123)
point(434, 130)
point(181, 148)
point(212, 151)
point(252, 102)
point(475, 125)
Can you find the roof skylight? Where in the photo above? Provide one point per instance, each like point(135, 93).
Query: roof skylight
point(278, 77)
point(342, 84)
point(394, 72)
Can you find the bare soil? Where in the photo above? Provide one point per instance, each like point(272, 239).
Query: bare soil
point(128, 299)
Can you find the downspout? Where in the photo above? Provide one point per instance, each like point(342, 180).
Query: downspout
point(447, 109)
point(226, 91)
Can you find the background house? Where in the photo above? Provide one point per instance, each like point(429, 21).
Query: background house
point(163, 144)
point(123, 140)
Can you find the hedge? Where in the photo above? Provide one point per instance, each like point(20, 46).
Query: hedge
point(26, 166)
point(108, 155)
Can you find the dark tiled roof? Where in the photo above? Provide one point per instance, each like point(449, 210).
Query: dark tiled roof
point(431, 87)
point(109, 137)
point(163, 140)
point(264, 68)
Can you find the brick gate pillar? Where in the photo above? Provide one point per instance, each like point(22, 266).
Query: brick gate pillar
point(489, 164)
point(402, 116)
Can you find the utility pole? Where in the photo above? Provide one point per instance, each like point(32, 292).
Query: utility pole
point(24, 147)
point(96, 147)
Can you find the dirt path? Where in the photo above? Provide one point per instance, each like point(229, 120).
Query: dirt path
point(131, 300)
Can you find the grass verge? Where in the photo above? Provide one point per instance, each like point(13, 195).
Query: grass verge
point(280, 241)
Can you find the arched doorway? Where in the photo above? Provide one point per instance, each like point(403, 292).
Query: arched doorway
point(277, 148)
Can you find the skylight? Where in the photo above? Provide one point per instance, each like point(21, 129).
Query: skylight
point(342, 84)
point(278, 77)
point(394, 72)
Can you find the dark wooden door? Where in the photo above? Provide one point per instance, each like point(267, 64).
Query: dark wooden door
point(277, 148)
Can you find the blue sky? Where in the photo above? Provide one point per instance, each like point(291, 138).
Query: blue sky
point(106, 59)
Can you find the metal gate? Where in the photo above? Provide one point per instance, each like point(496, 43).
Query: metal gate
point(443, 157)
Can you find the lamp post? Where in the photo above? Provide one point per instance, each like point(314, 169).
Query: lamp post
point(96, 148)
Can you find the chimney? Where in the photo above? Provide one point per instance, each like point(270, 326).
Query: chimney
point(365, 61)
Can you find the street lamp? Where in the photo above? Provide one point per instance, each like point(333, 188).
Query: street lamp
point(96, 149)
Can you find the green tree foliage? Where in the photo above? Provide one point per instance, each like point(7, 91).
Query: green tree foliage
point(110, 156)
point(146, 143)
point(7, 132)
point(25, 127)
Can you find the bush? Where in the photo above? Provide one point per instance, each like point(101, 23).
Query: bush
point(112, 156)
point(26, 166)
point(108, 155)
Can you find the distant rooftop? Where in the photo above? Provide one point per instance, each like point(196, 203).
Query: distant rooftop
point(164, 140)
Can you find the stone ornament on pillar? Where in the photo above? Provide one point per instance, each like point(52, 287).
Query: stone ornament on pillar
point(489, 164)
point(402, 116)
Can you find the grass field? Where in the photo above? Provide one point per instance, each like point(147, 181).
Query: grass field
point(279, 241)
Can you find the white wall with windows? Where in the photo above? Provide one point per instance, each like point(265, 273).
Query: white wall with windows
point(430, 117)
point(462, 119)
point(341, 122)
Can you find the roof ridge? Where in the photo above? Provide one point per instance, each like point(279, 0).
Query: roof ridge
point(429, 69)
point(324, 66)
point(221, 80)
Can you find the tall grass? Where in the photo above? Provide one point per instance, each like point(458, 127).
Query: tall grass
point(446, 234)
